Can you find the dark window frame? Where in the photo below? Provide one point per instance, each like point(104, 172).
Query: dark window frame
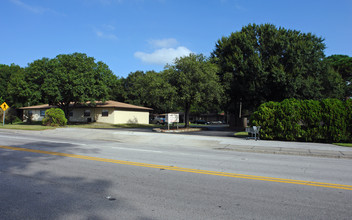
point(87, 113)
point(105, 113)
point(41, 112)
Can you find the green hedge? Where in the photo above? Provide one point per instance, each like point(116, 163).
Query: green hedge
point(328, 120)
point(54, 117)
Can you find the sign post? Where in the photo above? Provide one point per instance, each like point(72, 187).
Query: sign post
point(4, 106)
point(171, 118)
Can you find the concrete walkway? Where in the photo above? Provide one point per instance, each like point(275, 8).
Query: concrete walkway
point(182, 140)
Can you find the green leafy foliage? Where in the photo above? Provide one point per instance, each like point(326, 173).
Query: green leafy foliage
point(65, 79)
point(150, 89)
point(11, 116)
point(264, 63)
point(265, 116)
point(195, 81)
point(328, 120)
point(76, 78)
point(17, 92)
point(334, 120)
point(287, 119)
point(348, 105)
point(54, 117)
point(311, 119)
point(343, 65)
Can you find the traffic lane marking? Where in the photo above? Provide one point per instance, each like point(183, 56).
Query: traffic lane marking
point(187, 170)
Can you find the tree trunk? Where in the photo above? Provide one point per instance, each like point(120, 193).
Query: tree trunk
point(187, 109)
point(65, 108)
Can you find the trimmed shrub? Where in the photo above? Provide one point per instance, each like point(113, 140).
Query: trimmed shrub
point(348, 106)
point(287, 120)
point(328, 120)
point(334, 120)
point(311, 119)
point(54, 117)
point(265, 116)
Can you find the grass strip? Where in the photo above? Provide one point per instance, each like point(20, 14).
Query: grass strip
point(344, 144)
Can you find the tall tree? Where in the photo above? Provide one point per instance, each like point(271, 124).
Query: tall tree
point(7, 92)
point(134, 87)
point(36, 73)
point(343, 65)
point(5, 74)
point(150, 89)
point(18, 91)
point(263, 63)
point(75, 78)
point(196, 81)
point(117, 90)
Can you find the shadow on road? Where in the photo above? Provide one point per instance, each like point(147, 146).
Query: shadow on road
point(43, 186)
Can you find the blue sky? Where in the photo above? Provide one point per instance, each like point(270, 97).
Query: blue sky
point(131, 35)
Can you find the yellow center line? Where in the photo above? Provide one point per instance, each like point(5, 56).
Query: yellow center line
point(187, 170)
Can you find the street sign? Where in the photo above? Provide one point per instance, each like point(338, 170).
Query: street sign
point(171, 118)
point(4, 106)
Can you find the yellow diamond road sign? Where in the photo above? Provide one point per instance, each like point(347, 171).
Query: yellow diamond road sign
point(4, 106)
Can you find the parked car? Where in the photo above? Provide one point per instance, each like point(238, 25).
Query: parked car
point(158, 120)
point(200, 122)
point(215, 122)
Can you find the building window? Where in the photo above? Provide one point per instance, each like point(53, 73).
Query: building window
point(105, 113)
point(42, 112)
point(70, 114)
point(86, 113)
point(30, 113)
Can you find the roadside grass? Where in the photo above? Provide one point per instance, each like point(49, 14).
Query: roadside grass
point(24, 126)
point(344, 144)
point(241, 134)
point(106, 125)
point(37, 126)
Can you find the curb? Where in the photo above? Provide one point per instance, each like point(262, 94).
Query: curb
point(181, 130)
point(289, 151)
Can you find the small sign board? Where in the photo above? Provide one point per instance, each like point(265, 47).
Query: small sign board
point(171, 118)
point(4, 106)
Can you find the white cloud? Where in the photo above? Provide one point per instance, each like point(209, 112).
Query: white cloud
point(105, 32)
point(164, 43)
point(35, 9)
point(163, 56)
point(105, 35)
point(108, 27)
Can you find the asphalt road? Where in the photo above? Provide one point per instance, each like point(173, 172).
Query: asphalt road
point(49, 175)
point(219, 130)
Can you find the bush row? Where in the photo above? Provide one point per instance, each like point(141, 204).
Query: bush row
point(328, 120)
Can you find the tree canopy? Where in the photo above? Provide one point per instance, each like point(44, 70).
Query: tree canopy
point(150, 89)
point(76, 78)
point(65, 79)
point(343, 65)
point(195, 81)
point(264, 63)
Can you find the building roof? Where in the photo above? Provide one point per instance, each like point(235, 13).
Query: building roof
point(98, 104)
point(45, 106)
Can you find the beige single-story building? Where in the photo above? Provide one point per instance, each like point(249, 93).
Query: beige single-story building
point(112, 112)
